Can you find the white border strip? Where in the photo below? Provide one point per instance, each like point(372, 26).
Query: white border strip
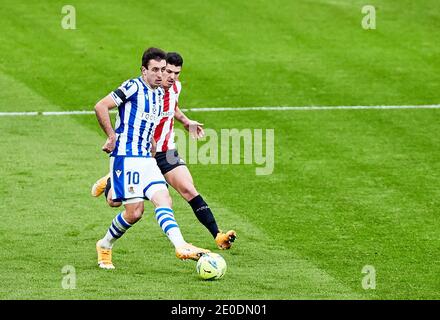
point(310, 108)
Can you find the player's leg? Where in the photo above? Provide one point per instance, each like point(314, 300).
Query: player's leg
point(181, 180)
point(134, 206)
point(109, 196)
point(119, 225)
point(157, 192)
point(166, 220)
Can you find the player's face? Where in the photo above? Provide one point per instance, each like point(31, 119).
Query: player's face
point(153, 75)
point(170, 75)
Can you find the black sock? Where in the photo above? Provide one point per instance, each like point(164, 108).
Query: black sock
point(107, 188)
point(204, 214)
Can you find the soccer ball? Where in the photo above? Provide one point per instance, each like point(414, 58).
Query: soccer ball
point(211, 266)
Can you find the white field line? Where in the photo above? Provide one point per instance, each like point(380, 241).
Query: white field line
point(14, 114)
point(309, 108)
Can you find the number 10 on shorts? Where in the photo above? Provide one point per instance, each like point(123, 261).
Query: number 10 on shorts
point(132, 177)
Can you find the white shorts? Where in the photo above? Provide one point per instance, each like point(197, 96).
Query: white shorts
point(135, 177)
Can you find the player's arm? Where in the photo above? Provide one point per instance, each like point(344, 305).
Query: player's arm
point(102, 109)
point(195, 128)
point(153, 147)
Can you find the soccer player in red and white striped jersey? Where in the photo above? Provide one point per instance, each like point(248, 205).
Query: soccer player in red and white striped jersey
point(164, 132)
point(171, 165)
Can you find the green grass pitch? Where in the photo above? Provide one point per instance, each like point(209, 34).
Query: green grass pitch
point(350, 188)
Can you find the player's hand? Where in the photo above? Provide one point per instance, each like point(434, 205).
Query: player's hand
point(195, 129)
point(109, 145)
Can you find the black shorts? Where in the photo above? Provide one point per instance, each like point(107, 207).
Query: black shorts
point(168, 160)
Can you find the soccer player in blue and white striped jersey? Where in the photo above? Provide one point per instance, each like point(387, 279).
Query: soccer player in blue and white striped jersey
point(134, 173)
point(172, 167)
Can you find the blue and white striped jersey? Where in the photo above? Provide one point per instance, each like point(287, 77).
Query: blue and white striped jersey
point(139, 108)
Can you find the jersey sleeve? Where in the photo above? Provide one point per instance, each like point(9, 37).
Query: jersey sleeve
point(124, 92)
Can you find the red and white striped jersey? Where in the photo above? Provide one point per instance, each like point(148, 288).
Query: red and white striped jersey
point(164, 132)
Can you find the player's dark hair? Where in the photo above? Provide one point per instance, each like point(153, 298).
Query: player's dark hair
point(152, 54)
point(175, 59)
